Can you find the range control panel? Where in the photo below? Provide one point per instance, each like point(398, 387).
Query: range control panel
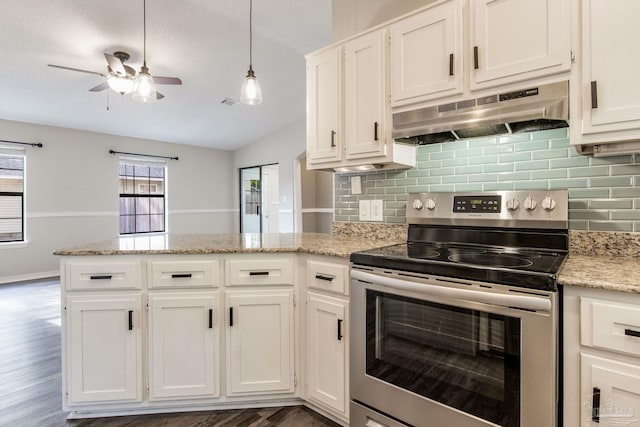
point(537, 209)
point(491, 204)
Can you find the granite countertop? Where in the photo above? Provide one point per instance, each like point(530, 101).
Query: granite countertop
point(601, 272)
point(340, 245)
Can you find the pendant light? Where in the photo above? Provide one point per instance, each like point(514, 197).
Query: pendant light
point(251, 93)
point(144, 88)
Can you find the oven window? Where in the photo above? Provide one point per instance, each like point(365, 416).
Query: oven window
point(466, 359)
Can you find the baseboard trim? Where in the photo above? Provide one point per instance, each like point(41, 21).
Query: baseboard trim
point(31, 276)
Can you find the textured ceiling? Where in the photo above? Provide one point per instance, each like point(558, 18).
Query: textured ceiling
point(204, 42)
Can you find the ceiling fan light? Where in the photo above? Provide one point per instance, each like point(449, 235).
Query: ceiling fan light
point(122, 85)
point(251, 93)
point(144, 89)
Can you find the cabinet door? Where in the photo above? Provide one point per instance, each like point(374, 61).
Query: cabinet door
point(426, 55)
point(611, 89)
point(260, 342)
point(326, 354)
point(103, 342)
point(610, 392)
point(183, 345)
point(365, 96)
point(514, 40)
point(324, 107)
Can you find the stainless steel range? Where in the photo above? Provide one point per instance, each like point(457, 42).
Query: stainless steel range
point(459, 326)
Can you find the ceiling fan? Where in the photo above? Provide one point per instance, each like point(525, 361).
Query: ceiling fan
point(124, 79)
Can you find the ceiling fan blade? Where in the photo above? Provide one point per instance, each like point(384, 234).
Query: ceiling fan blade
point(167, 80)
point(76, 69)
point(100, 87)
point(115, 64)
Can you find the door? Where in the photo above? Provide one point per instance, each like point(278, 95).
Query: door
point(259, 342)
point(326, 357)
point(324, 107)
point(426, 55)
point(365, 96)
point(515, 40)
point(610, 392)
point(103, 342)
point(259, 199)
point(183, 345)
point(610, 83)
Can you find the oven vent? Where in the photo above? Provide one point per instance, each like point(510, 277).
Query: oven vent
point(527, 110)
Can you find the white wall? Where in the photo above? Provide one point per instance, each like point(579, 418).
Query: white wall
point(72, 192)
point(350, 17)
point(282, 147)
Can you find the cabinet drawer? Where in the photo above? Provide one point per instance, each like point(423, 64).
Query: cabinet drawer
point(327, 276)
point(610, 325)
point(260, 271)
point(103, 275)
point(183, 274)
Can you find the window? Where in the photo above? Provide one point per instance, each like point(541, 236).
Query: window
point(142, 197)
point(11, 198)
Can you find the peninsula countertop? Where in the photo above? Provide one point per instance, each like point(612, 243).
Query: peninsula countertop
point(312, 243)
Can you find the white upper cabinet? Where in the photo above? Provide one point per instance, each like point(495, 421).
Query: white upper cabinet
point(366, 122)
point(516, 40)
point(610, 88)
point(427, 55)
point(324, 107)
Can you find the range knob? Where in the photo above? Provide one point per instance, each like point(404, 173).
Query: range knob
point(548, 204)
point(512, 204)
point(417, 204)
point(430, 204)
point(529, 204)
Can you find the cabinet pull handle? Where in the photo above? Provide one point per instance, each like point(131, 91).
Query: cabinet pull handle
point(594, 94)
point(101, 277)
point(339, 329)
point(451, 64)
point(180, 275)
point(595, 405)
point(632, 333)
point(130, 320)
point(333, 138)
point(210, 318)
point(375, 131)
point(230, 316)
point(323, 277)
point(258, 273)
point(475, 58)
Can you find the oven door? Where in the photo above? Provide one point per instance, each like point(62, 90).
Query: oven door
point(430, 351)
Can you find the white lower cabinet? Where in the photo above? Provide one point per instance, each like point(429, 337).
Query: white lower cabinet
point(103, 345)
point(184, 345)
point(601, 358)
point(611, 390)
point(327, 341)
point(260, 337)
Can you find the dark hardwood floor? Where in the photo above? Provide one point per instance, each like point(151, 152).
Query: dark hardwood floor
point(30, 375)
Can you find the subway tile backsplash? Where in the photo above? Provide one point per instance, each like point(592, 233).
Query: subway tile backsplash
point(604, 193)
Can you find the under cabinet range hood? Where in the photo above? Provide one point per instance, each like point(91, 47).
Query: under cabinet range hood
point(526, 110)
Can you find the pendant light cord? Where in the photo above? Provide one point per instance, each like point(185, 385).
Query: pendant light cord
point(250, 35)
point(144, 32)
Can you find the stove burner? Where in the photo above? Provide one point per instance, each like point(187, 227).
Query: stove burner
point(425, 253)
point(489, 259)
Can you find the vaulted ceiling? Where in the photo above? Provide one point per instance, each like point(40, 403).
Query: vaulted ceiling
point(203, 42)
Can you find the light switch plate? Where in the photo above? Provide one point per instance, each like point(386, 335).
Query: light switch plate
point(365, 210)
point(356, 185)
point(376, 210)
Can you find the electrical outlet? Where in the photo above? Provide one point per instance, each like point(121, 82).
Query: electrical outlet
point(365, 210)
point(376, 210)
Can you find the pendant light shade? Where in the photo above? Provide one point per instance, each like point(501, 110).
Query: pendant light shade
point(122, 85)
point(251, 93)
point(144, 88)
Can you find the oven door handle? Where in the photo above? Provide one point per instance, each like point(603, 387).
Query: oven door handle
point(510, 301)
